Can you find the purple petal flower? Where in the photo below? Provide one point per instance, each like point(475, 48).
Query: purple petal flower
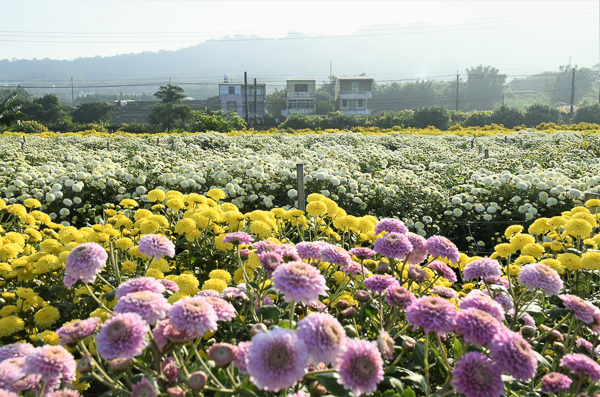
point(323, 336)
point(195, 315)
point(265, 246)
point(498, 280)
point(514, 355)
point(140, 284)
point(433, 314)
point(360, 366)
point(441, 247)
point(149, 305)
point(300, 282)
point(270, 260)
point(444, 292)
point(482, 268)
point(169, 284)
point(390, 225)
point(83, 263)
point(393, 245)
point(15, 350)
point(478, 300)
point(238, 238)
point(354, 269)
point(419, 252)
point(224, 310)
point(240, 358)
point(70, 334)
point(416, 273)
point(476, 376)
point(443, 270)
point(395, 295)
point(582, 309)
point(477, 326)
point(156, 246)
point(308, 250)
point(276, 359)
point(580, 364)
point(123, 336)
point(51, 363)
point(362, 252)
point(538, 275)
point(379, 282)
point(144, 389)
point(555, 382)
point(334, 255)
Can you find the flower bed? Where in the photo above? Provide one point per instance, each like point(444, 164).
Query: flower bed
point(191, 295)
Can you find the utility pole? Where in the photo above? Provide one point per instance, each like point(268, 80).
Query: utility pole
point(572, 91)
point(72, 93)
point(330, 70)
point(246, 96)
point(457, 81)
point(255, 104)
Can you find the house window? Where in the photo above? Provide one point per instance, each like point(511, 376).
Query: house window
point(345, 103)
point(231, 106)
point(259, 91)
point(354, 86)
point(301, 88)
point(360, 103)
point(251, 107)
point(232, 90)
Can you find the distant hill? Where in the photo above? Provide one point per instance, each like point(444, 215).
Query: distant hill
point(384, 55)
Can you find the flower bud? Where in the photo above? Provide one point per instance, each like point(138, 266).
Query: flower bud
point(222, 354)
point(362, 295)
point(408, 344)
point(175, 392)
point(197, 380)
point(85, 364)
point(559, 348)
point(350, 331)
point(528, 332)
point(119, 364)
point(553, 336)
point(317, 389)
point(342, 304)
point(383, 267)
point(349, 312)
point(258, 328)
point(244, 254)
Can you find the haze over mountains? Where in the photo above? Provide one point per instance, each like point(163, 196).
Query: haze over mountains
point(387, 53)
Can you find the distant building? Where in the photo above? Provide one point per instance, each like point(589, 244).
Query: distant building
point(232, 99)
point(352, 93)
point(124, 102)
point(300, 96)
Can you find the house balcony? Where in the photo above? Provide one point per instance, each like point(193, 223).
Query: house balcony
point(289, 112)
point(356, 112)
point(355, 94)
point(291, 95)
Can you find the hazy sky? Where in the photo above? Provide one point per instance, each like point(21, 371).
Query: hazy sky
point(85, 28)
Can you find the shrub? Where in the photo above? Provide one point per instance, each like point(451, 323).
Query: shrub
point(301, 121)
point(87, 127)
point(539, 113)
point(508, 117)
point(29, 127)
point(587, 114)
point(478, 119)
point(434, 116)
point(136, 128)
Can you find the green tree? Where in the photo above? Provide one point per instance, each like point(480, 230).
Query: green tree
point(483, 89)
point(276, 102)
point(587, 114)
point(538, 113)
point(558, 85)
point(437, 117)
point(10, 110)
point(48, 111)
point(170, 112)
point(217, 120)
point(92, 112)
point(508, 117)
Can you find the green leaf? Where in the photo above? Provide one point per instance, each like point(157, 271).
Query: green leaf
point(395, 383)
point(269, 313)
point(413, 378)
point(109, 296)
point(330, 381)
point(418, 355)
point(247, 393)
point(542, 360)
point(408, 392)
point(458, 348)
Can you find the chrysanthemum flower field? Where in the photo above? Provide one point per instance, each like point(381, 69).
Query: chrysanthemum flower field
point(183, 268)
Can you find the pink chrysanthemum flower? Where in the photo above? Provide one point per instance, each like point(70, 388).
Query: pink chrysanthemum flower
point(476, 376)
point(503, 299)
point(527, 320)
point(234, 294)
point(209, 293)
point(444, 292)
point(513, 354)
point(433, 314)
point(482, 268)
point(477, 326)
point(83, 263)
point(9, 374)
point(222, 354)
point(416, 273)
point(169, 284)
point(379, 282)
point(15, 350)
point(139, 284)
point(580, 364)
point(386, 345)
point(354, 269)
point(276, 359)
point(585, 345)
point(123, 336)
point(498, 280)
point(156, 246)
point(362, 252)
point(289, 254)
point(7, 393)
point(224, 310)
point(441, 247)
point(238, 238)
point(299, 394)
point(195, 315)
point(144, 389)
point(443, 270)
point(149, 305)
point(323, 336)
point(395, 295)
point(269, 260)
point(70, 334)
point(582, 309)
point(65, 393)
point(308, 250)
point(51, 363)
point(360, 366)
point(390, 225)
point(419, 251)
point(334, 254)
point(300, 282)
point(393, 245)
point(164, 333)
point(538, 275)
point(240, 358)
point(478, 300)
point(555, 382)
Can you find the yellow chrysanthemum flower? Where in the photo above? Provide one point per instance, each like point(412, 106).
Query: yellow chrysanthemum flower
point(524, 260)
point(219, 274)
point(155, 273)
point(11, 325)
point(570, 261)
point(578, 227)
point(535, 250)
point(156, 195)
point(591, 260)
point(504, 250)
point(518, 241)
point(128, 203)
point(214, 284)
point(261, 229)
point(512, 230)
point(554, 264)
point(316, 208)
point(556, 222)
point(128, 267)
point(186, 225)
point(32, 203)
point(216, 194)
point(149, 227)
